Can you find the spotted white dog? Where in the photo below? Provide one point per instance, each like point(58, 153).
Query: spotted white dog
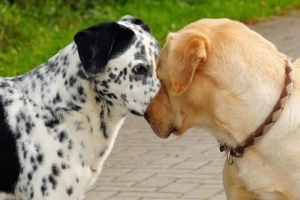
point(59, 121)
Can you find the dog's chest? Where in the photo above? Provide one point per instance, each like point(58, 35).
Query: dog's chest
point(73, 144)
point(270, 177)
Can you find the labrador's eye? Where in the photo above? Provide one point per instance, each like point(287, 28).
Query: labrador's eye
point(139, 69)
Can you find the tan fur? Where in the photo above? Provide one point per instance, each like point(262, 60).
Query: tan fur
point(219, 75)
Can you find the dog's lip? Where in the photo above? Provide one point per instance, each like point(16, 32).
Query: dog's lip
point(134, 112)
point(174, 132)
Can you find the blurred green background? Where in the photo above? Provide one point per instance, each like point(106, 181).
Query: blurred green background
point(31, 31)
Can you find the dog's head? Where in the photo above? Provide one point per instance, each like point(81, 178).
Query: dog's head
point(121, 59)
point(215, 73)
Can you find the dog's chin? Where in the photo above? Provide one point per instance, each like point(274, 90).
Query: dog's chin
point(164, 133)
point(134, 112)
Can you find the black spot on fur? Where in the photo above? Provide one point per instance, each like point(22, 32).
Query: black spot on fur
point(73, 106)
point(32, 159)
point(40, 158)
point(57, 99)
point(70, 146)
point(29, 125)
point(80, 90)
point(34, 167)
point(125, 71)
point(55, 170)
point(78, 125)
point(119, 77)
point(62, 136)
point(44, 189)
point(98, 99)
point(103, 128)
point(31, 195)
point(51, 123)
point(29, 176)
point(70, 191)
point(102, 153)
point(72, 81)
point(63, 166)
point(24, 151)
point(139, 56)
point(124, 98)
point(60, 153)
point(4, 85)
point(105, 84)
point(53, 181)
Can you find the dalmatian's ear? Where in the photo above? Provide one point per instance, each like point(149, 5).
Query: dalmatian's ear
point(99, 43)
point(136, 21)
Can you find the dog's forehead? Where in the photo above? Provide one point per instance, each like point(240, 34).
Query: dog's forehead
point(138, 30)
point(145, 47)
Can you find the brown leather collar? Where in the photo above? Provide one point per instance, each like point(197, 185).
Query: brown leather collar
point(238, 151)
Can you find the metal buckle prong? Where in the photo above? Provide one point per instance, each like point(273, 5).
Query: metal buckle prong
point(230, 158)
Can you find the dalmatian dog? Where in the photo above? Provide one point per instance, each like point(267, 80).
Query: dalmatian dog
point(60, 120)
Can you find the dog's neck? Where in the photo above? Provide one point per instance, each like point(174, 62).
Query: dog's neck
point(238, 150)
point(61, 84)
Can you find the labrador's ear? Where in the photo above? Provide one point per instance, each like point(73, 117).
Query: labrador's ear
point(96, 45)
point(183, 60)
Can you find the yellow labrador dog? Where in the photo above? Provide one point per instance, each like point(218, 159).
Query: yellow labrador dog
point(219, 75)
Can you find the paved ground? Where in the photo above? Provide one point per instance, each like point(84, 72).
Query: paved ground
point(145, 167)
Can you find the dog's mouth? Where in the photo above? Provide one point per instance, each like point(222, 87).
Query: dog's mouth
point(175, 132)
point(134, 112)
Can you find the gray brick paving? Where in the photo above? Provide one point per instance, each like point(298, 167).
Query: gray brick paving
point(145, 167)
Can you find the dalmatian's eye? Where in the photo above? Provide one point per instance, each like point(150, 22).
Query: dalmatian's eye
point(139, 69)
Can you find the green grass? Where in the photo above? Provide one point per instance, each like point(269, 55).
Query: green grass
point(31, 31)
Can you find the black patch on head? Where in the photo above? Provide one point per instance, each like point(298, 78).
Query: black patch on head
point(10, 165)
point(136, 21)
point(99, 43)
